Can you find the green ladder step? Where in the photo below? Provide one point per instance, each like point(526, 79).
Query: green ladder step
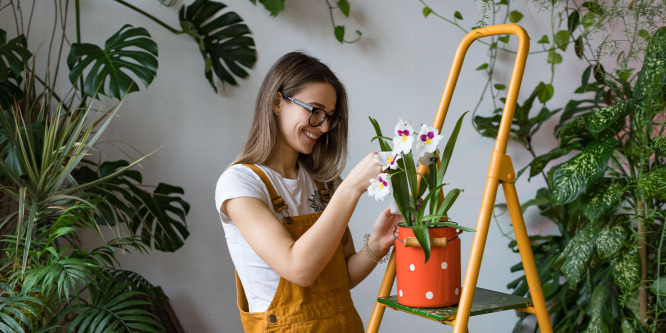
point(485, 301)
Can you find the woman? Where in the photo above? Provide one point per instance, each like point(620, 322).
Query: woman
point(294, 274)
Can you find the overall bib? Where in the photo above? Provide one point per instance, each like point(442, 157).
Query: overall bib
point(325, 306)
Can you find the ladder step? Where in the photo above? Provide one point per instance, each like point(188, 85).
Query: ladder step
point(485, 301)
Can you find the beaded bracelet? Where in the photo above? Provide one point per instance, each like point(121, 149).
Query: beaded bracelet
point(371, 255)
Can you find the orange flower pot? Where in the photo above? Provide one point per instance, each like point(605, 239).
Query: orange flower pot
point(435, 284)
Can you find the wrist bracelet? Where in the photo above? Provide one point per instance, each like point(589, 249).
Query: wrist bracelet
point(371, 255)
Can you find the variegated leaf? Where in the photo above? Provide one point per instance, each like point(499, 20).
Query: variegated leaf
point(626, 267)
point(659, 145)
point(658, 286)
point(539, 163)
point(602, 197)
point(573, 129)
point(652, 76)
point(652, 185)
point(599, 120)
point(572, 177)
point(610, 239)
point(599, 298)
point(627, 327)
point(579, 251)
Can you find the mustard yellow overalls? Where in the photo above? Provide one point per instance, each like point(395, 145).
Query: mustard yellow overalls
point(325, 306)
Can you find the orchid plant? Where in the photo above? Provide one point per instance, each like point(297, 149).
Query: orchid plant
point(420, 198)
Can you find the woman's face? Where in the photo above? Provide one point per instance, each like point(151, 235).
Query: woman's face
point(295, 131)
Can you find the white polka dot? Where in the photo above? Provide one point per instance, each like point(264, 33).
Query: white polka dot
point(444, 265)
point(456, 291)
point(400, 292)
point(429, 295)
point(411, 267)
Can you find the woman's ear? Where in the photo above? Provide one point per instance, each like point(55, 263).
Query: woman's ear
point(277, 103)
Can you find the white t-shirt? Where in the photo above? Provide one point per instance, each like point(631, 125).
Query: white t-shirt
point(301, 195)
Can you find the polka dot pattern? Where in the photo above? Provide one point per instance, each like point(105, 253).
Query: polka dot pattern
point(429, 295)
point(411, 267)
point(444, 265)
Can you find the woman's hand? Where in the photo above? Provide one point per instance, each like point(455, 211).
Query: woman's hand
point(382, 239)
point(359, 177)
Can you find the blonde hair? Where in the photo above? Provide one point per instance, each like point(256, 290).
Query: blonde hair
point(288, 76)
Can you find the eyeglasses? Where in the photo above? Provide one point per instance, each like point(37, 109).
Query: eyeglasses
point(317, 115)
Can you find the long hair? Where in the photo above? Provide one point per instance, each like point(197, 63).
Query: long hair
point(288, 76)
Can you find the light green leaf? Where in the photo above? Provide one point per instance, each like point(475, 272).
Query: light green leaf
point(602, 197)
point(658, 286)
point(611, 237)
point(273, 6)
point(504, 39)
point(626, 267)
point(554, 57)
point(578, 254)
point(562, 39)
point(545, 92)
point(482, 67)
point(544, 40)
point(571, 178)
point(427, 11)
point(599, 120)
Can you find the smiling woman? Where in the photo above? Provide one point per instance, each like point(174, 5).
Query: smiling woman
point(287, 235)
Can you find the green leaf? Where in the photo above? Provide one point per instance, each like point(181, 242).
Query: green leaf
point(573, 21)
point(545, 92)
point(544, 40)
point(601, 119)
point(340, 33)
point(589, 19)
point(344, 7)
point(499, 86)
point(14, 56)
point(515, 16)
point(602, 197)
point(224, 41)
point(644, 34)
point(652, 77)
point(504, 39)
point(652, 185)
point(128, 50)
point(448, 150)
point(571, 179)
point(658, 286)
point(598, 302)
point(578, 254)
point(562, 39)
point(482, 67)
point(611, 237)
point(421, 234)
point(427, 11)
point(593, 7)
point(273, 6)
point(554, 57)
point(626, 267)
point(539, 163)
point(457, 15)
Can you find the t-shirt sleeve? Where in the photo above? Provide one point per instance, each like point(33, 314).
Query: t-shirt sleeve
point(238, 181)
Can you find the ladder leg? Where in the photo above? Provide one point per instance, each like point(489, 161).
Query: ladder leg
point(476, 255)
point(527, 257)
point(384, 290)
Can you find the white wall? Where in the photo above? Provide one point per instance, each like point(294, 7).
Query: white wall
point(398, 69)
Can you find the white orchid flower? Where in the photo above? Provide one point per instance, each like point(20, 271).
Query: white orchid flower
point(427, 141)
point(402, 142)
point(387, 159)
point(428, 158)
point(380, 187)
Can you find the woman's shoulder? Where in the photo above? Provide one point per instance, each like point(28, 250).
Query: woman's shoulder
point(239, 173)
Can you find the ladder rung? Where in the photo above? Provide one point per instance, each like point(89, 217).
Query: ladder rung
point(485, 301)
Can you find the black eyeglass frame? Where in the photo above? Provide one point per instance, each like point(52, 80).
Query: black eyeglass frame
point(332, 120)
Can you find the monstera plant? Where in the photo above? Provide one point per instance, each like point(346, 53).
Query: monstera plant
point(51, 189)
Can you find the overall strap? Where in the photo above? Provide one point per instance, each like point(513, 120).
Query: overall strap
point(278, 203)
point(323, 191)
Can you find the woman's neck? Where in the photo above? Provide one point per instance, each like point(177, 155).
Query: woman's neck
point(285, 164)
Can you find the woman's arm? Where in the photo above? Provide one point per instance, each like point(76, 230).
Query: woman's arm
point(360, 264)
point(303, 260)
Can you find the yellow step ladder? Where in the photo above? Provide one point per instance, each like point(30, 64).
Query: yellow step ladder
point(476, 301)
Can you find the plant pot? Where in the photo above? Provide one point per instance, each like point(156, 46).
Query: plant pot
point(435, 284)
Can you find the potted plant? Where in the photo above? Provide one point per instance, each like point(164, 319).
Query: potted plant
point(427, 247)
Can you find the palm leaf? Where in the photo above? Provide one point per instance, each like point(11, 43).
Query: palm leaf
point(224, 41)
point(129, 49)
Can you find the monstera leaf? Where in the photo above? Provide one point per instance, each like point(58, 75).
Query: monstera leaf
point(224, 41)
point(13, 59)
point(128, 50)
point(158, 217)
